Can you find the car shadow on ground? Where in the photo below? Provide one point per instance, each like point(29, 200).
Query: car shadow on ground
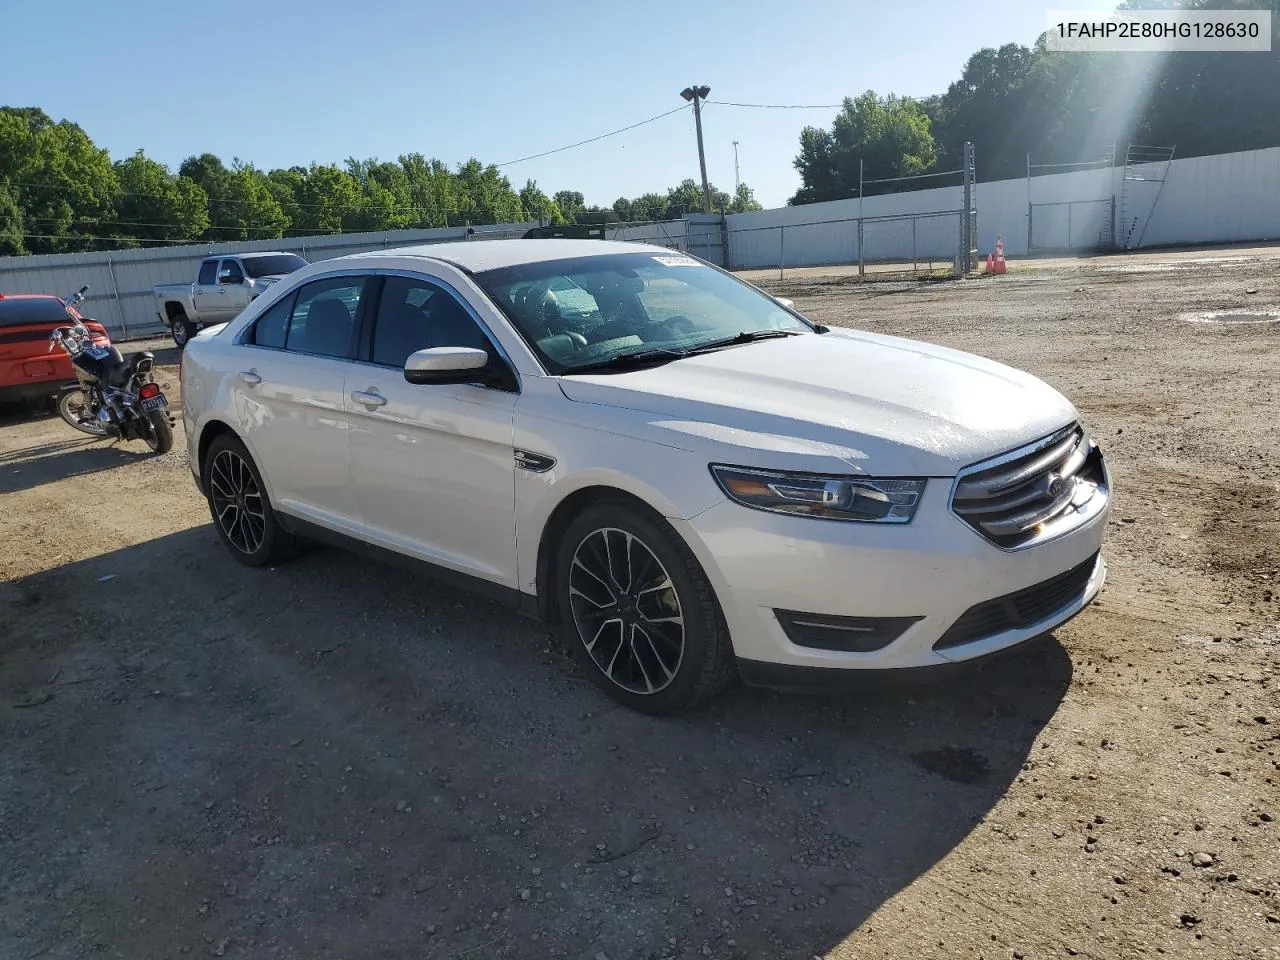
point(78, 455)
point(334, 757)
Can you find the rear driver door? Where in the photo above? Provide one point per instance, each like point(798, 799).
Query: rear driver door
point(289, 389)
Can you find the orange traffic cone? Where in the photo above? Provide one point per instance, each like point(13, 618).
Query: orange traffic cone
point(991, 263)
point(999, 256)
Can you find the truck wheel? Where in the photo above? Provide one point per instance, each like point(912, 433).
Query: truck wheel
point(183, 330)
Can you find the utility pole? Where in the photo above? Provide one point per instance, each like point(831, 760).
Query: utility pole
point(697, 95)
point(737, 180)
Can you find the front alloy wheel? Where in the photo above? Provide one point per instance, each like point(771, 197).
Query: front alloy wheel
point(626, 610)
point(638, 610)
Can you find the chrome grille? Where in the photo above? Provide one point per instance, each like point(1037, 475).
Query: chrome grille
point(1033, 493)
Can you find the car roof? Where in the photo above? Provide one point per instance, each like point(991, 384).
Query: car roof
point(479, 255)
point(256, 253)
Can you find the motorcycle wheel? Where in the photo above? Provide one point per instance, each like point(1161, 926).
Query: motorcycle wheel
point(73, 408)
point(160, 437)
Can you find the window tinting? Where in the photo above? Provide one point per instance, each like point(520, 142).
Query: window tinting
point(233, 268)
point(36, 310)
point(275, 264)
point(208, 273)
point(414, 315)
point(324, 316)
point(269, 331)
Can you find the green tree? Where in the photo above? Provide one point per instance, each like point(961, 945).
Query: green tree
point(988, 106)
point(744, 201)
point(485, 195)
point(259, 215)
point(649, 206)
point(325, 198)
point(889, 135)
point(538, 206)
point(10, 221)
point(65, 185)
point(285, 186)
point(156, 205)
point(215, 179)
point(571, 203)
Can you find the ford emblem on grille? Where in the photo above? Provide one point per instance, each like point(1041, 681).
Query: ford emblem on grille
point(1055, 484)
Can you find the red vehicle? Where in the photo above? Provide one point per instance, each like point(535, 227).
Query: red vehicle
point(28, 371)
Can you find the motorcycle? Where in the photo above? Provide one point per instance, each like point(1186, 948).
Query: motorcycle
point(112, 396)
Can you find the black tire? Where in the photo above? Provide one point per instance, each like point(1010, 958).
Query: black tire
point(228, 469)
point(182, 329)
point(71, 407)
point(161, 439)
point(705, 664)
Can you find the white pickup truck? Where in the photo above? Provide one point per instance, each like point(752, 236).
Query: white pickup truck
point(223, 287)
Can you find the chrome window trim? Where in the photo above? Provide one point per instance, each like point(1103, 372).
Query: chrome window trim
point(467, 305)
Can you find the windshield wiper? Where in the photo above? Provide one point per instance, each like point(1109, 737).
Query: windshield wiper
point(628, 361)
point(746, 336)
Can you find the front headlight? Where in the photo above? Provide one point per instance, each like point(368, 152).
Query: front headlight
point(816, 495)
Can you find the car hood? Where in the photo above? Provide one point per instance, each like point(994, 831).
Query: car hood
point(884, 405)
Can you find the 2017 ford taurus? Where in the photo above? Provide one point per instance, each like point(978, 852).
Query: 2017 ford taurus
point(693, 479)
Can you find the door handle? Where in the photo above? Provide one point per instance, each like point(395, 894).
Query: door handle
point(368, 398)
point(249, 377)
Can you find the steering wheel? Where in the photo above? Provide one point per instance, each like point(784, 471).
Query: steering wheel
point(579, 341)
point(677, 326)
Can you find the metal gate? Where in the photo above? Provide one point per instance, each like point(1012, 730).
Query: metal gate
point(1072, 225)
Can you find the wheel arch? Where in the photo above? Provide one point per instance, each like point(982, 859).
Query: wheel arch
point(558, 522)
point(175, 310)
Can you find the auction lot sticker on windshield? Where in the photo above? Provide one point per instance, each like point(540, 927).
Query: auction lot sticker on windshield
point(677, 261)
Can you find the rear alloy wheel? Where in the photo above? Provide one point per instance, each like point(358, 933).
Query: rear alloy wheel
point(246, 524)
point(639, 612)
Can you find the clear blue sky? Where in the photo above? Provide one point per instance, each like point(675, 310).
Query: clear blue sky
point(279, 83)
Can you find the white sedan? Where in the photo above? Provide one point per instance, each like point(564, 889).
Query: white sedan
point(692, 479)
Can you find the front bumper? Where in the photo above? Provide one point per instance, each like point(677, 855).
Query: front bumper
point(935, 569)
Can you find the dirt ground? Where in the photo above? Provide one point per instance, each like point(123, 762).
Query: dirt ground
point(335, 759)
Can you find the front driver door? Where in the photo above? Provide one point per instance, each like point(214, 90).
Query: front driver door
point(235, 292)
point(433, 465)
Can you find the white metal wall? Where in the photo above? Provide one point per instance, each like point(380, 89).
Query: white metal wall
point(120, 281)
point(1229, 197)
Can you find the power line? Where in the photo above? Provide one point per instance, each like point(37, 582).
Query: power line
point(780, 106)
point(583, 143)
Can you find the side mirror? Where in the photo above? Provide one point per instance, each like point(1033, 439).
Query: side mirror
point(446, 365)
point(789, 304)
point(226, 276)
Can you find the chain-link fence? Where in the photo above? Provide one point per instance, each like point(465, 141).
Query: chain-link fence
point(909, 244)
point(917, 244)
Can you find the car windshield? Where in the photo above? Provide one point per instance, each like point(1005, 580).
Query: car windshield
point(15, 312)
point(275, 264)
point(587, 311)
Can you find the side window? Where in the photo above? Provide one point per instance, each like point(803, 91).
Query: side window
point(324, 317)
point(270, 328)
point(233, 268)
point(416, 314)
point(208, 273)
